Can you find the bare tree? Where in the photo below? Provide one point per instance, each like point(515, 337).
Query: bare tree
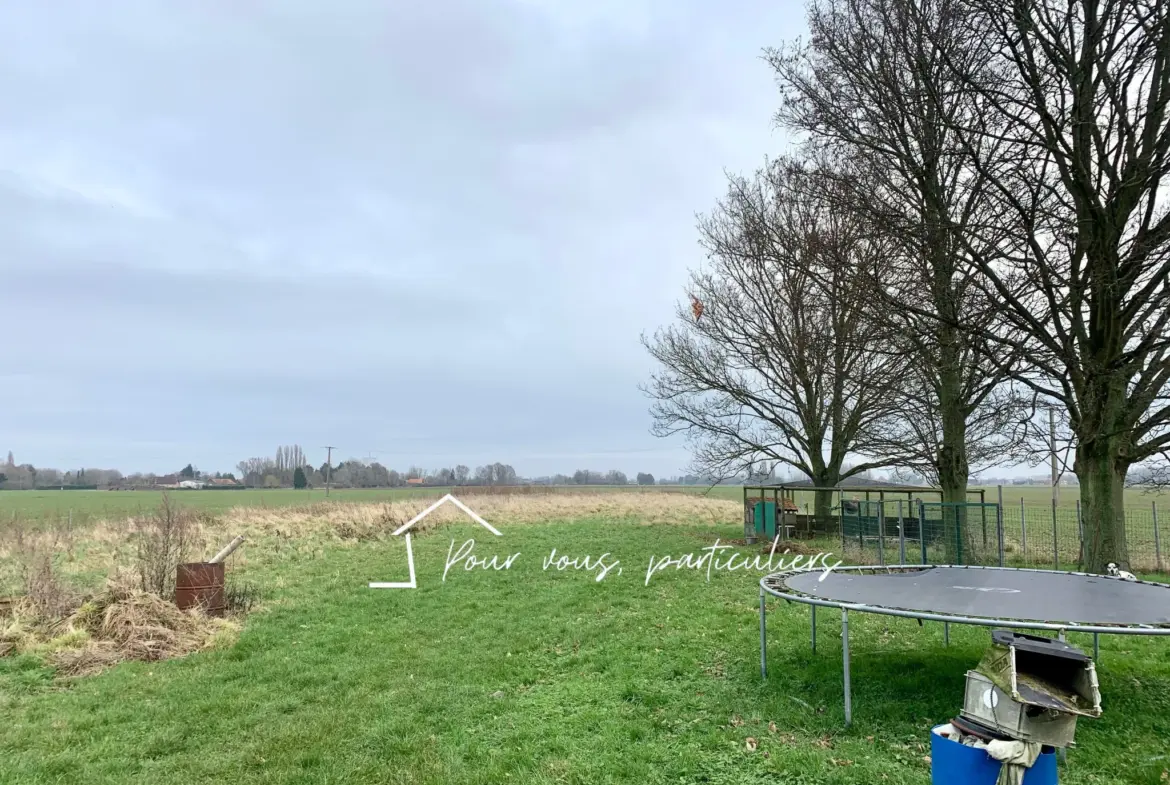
point(875, 87)
point(780, 362)
point(1082, 90)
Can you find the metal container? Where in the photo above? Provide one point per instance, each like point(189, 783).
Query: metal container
point(200, 585)
point(1041, 672)
point(987, 704)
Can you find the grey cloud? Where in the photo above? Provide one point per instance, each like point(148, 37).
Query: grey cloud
point(426, 228)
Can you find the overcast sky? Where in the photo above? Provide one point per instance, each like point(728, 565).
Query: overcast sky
point(427, 232)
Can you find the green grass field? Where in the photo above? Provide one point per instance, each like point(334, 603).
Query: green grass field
point(98, 504)
point(535, 676)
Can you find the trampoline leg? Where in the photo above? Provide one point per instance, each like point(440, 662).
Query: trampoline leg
point(946, 633)
point(1096, 646)
point(845, 661)
point(763, 639)
point(814, 628)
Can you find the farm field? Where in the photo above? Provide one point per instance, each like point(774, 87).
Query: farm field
point(99, 504)
point(528, 675)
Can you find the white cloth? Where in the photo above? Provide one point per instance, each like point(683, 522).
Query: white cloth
point(1017, 758)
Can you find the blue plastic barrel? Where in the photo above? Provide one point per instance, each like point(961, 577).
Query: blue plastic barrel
point(951, 763)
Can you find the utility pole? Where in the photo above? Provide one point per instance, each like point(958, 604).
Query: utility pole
point(328, 469)
point(1052, 449)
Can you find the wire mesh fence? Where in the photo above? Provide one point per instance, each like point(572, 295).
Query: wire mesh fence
point(919, 532)
point(1019, 534)
point(1052, 536)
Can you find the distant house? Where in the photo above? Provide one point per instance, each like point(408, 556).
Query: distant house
point(224, 482)
point(415, 481)
point(192, 485)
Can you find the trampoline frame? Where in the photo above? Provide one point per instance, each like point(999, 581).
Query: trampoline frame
point(946, 618)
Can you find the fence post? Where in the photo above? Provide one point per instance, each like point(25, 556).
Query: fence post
point(1024, 529)
point(983, 518)
point(841, 517)
point(959, 533)
point(1157, 540)
point(1055, 541)
point(861, 526)
point(901, 535)
point(922, 530)
point(1080, 535)
point(882, 533)
point(999, 525)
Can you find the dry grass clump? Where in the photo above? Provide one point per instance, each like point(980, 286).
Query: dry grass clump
point(347, 521)
point(132, 618)
point(26, 565)
point(120, 623)
point(125, 623)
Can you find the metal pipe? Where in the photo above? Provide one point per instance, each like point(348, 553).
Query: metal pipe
point(763, 637)
point(814, 628)
point(845, 662)
point(946, 633)
point(1096, 646)
point(227, 550)
point(881, 533)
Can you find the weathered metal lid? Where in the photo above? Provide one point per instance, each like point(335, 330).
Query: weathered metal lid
point(1038, 644)
point(1041, 672)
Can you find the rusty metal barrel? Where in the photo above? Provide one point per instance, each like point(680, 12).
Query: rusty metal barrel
point(200, 585)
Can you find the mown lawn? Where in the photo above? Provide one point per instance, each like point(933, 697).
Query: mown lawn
point(530, 676)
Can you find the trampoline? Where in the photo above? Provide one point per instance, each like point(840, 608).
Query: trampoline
point(1007, 597)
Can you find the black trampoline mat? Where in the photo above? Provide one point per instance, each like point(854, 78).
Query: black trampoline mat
point(995, 594)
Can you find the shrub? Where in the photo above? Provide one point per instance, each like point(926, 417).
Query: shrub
point(165, 538)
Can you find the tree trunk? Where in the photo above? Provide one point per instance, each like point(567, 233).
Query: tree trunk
point(1102, 461)
point(826, 521)
point(960, 540)
point(1101, 471)
point(823, 510)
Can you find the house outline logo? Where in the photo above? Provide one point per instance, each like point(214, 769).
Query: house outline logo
point(404, 529)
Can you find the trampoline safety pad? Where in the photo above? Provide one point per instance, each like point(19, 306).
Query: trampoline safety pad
point(995, 593)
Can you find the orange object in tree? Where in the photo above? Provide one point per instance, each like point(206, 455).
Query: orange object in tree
point(696, 307)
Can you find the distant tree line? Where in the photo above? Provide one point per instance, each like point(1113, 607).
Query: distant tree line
point(14, 476)
point(289, 468)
